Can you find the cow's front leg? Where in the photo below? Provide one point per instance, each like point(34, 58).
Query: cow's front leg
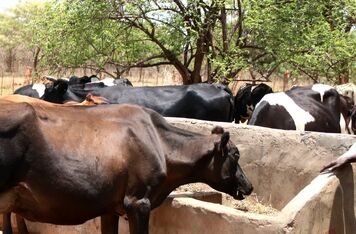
point(109, 224)
point(21, 225)
point(138, 213)
point(6, 223)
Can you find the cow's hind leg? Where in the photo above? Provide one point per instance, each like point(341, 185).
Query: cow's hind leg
point(109, 224)
point(138, 213)
point(6, 223)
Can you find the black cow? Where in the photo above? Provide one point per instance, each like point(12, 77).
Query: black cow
point(310, 108)
point(199, 101)
point(66, 178)
point(246, 99)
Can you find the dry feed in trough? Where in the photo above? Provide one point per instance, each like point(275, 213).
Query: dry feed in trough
point(250, 204)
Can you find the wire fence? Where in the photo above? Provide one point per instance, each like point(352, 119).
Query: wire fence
point(164, 75)
point(10, 82)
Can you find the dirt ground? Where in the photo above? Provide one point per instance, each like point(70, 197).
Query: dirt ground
point(250, 204)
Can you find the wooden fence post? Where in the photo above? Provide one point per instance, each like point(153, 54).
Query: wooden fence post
point(285, 80)
point(2, 81)
point(13, 82)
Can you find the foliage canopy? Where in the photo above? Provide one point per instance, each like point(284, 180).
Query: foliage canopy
point(216, 37)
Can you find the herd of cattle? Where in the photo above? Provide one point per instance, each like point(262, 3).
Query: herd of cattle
point(312, 108)
point(63, 163)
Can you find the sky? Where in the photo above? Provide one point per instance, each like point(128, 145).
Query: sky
point(5, 4)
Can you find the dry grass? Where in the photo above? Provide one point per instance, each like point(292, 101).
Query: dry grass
point(250, 204)
point(8, 84)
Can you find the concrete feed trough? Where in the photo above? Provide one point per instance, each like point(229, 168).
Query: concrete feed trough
point(284, 169)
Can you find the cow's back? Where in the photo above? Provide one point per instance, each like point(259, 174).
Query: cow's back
point(199, 101)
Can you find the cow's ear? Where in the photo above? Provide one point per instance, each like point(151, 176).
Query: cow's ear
point(49, 85)
point(224, 139)
point(217, 130)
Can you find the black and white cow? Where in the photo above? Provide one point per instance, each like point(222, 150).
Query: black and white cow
point(305, 108)
point(246, 99)
point(352, 124)
point(33, 90)
point(60, 90)
point(107, 82)
point(82, 80)
point(347, 105)
point(39, 90)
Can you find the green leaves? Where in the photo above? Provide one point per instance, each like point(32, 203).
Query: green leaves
point(309, 37)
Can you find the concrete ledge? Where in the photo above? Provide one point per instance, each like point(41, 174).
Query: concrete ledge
point(213, 197)
point(279, 163)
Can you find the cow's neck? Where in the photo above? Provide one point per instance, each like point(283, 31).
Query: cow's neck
point(186, 159)
point(182, 162)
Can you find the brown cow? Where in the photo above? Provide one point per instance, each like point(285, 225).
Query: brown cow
point(126, 162)
point(90, 100)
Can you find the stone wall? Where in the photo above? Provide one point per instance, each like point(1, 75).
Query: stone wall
point(278, 163)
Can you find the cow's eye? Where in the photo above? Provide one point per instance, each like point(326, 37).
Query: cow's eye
point(237, 156)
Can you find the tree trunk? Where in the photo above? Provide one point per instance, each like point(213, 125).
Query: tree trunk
point(36, 59)
point(198, 61)
point(344, 74)
point(9, 60)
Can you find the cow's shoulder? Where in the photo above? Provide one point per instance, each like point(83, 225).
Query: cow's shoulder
point(13, 115)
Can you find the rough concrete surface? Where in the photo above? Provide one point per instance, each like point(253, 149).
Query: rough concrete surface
point(284, 169)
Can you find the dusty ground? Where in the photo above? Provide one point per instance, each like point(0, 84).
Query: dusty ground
point(249, 204)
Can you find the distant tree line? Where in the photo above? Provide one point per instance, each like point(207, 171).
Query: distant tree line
point(313, 38)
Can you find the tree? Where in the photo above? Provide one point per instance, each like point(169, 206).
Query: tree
point(9, 39)
point(183, 31)
point(76, 36)
point(312, 37)
point(16, 31)
point(221, 36)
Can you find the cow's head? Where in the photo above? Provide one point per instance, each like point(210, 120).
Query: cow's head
point(227, 175)
point(123, 82)
point(91, 100)
point(242, 100)
point(55, 91)
point(247, 98)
